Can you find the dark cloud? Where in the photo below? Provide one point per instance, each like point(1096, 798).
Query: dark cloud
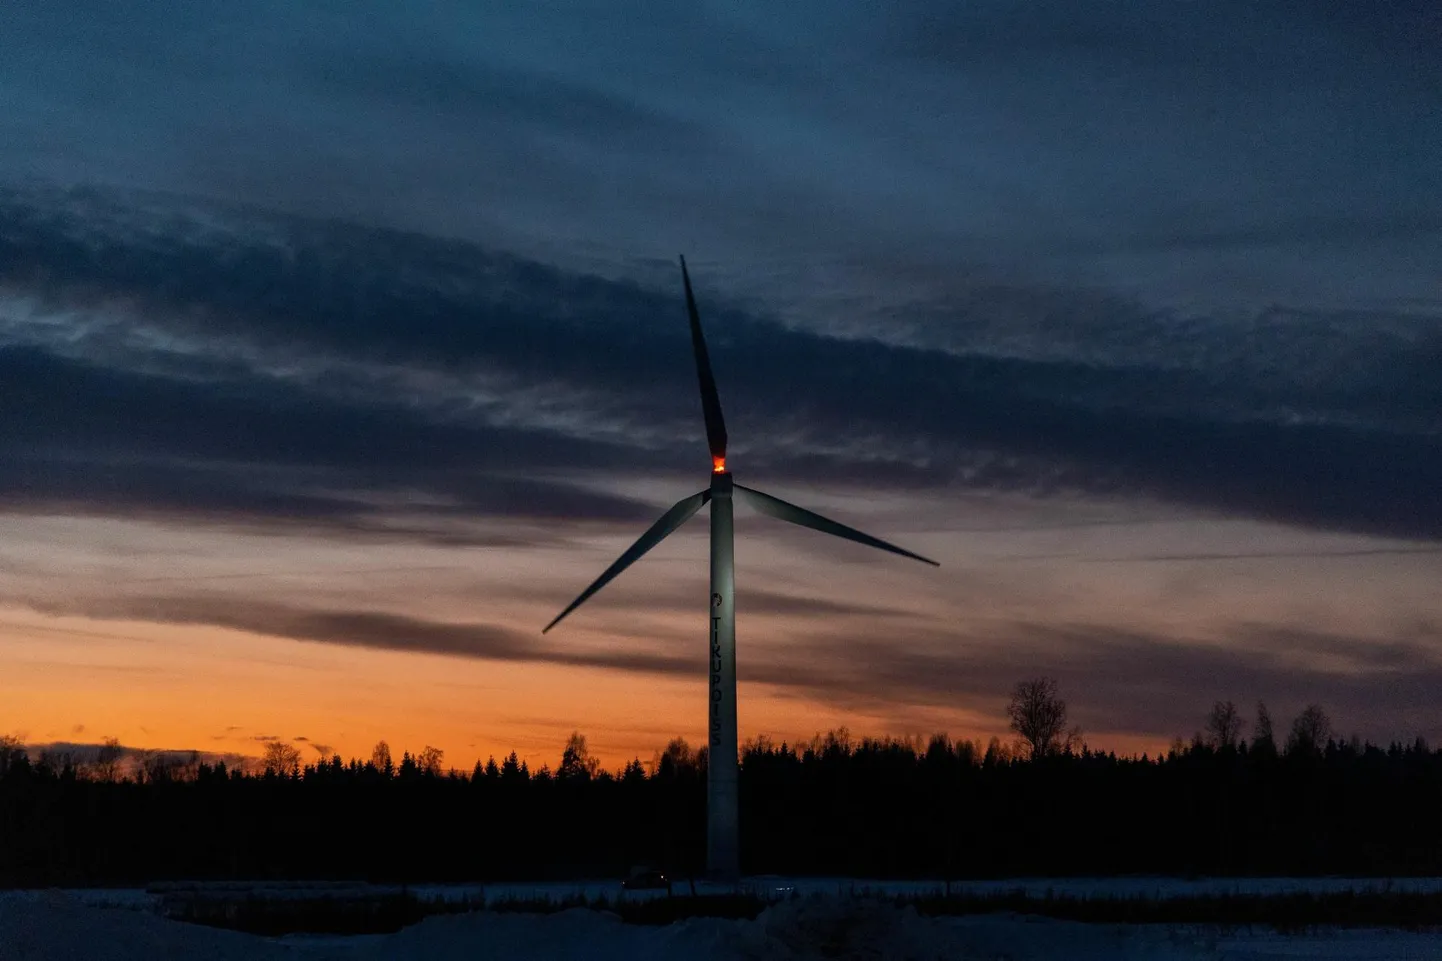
point(368, 629)
point(90, 440)
point(265, 363)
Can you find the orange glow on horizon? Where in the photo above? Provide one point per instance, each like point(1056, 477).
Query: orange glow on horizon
point(205, 663)
point(718, 465)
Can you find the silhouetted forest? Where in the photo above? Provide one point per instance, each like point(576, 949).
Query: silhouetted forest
point(874, 808)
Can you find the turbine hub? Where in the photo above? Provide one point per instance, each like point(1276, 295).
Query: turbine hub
point(718, 463)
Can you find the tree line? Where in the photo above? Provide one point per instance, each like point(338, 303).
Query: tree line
point(1221, 803)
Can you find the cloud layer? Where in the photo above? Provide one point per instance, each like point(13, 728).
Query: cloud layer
point(271, 367)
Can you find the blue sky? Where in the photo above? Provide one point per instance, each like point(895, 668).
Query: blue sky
point(1049, 291)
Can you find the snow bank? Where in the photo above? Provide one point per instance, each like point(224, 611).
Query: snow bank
point(52, 926)
point(56, 927)
point(804, 930)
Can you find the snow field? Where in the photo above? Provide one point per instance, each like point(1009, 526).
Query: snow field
point(58, 926)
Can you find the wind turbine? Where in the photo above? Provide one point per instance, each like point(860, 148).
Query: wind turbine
point(722, 847)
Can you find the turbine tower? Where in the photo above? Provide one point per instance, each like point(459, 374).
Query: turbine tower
point(722, 847)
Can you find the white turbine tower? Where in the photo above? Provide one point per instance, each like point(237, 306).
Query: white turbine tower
point(722, 847)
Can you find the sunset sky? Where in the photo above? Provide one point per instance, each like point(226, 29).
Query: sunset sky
point(342, 345)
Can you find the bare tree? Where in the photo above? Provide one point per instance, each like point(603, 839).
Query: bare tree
point(576, 759)
point(997, 752)
point(1224, 725)
point(836, 743)
point(107, 761)
point(676, 758)
point(1038, 715)
point(381, 758)
point(429, 760)
point(161, 766)
point(281, 758)
point(145, 765)
point(1262, 737)
point(12, 748)
point(1310, 731)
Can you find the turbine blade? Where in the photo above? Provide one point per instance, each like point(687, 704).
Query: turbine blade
point(710, 401)
point(778, 508)
point(668, 522)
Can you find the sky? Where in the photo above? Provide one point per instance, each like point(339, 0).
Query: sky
point(342, 345)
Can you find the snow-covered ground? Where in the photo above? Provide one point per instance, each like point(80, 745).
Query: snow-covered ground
point(60, 926)
point(767, 886)
point(771, 886)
